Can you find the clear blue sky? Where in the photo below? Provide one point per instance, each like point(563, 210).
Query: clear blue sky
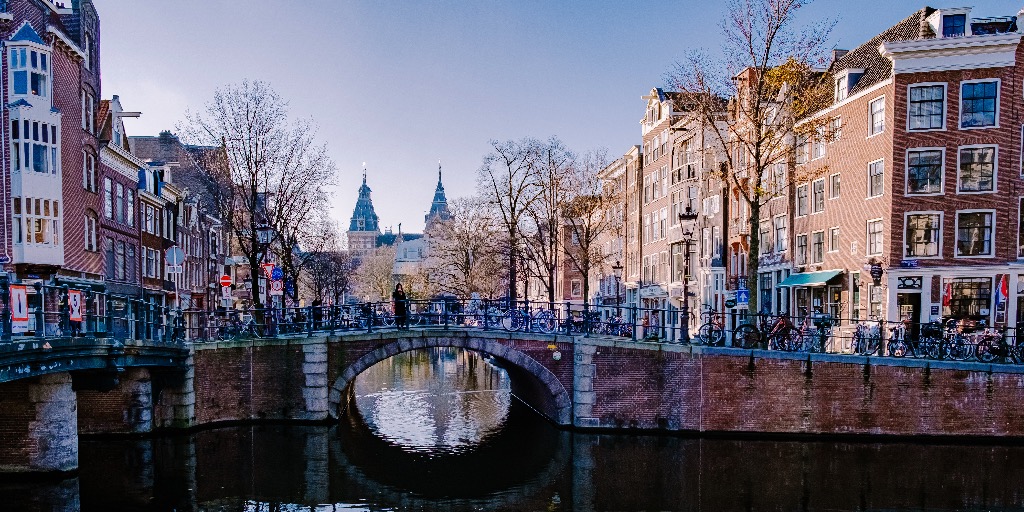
point(400, 84)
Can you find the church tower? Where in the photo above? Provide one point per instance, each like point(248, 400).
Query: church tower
point(363, 229)
point(439, 207)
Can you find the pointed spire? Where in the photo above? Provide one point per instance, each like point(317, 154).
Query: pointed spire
point(439, 207)
point(364, 218)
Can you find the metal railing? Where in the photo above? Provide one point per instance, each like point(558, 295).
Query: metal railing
point(54, 313)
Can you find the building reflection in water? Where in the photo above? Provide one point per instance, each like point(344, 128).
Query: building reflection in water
point(484, 451)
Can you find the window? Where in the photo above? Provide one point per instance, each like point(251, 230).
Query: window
point(874, 237)
point(1020, 228)
point(818, 146)
point(817, 246)
point(30, 71)
point(119, 260)
point(801, 200)
point(954, 25)
point(38, 147)
point(876, 116)
point(876, 172)
point(924, 171)
point(977, 169)
point(834, 186)
point(833, 239)
point(577, 288)
point(119, 206)
point(979, 104)
point(764, 242)
point(130, 203)
point(779, 223)
point(779, 178)
point(801, 249)
point(974, 231)
point(835, 128)
point(875, 295)
point(16, 222)
point(88, 111)
point(38, 222)
point(926, 108)
point(923, 235)
point(88, 171)
point(108, 198)
point(818, 196)
point(129, 263)
point(855, 296)
point(839, 92)
point(90, 232)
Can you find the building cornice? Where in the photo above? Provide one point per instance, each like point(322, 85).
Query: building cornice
point(60, 36)
point(120, 161)
point(951, 54)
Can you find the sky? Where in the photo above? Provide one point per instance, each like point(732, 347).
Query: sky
point(400, 84)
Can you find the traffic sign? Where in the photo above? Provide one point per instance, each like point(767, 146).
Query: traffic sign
point(75, 305)
point(277, 288)
point(225, 292)
point(174, 255)
point(19, 308)
point(742, 297)
point(277, 274)
point(268, 269)
point(225, 280)
point(175, 269)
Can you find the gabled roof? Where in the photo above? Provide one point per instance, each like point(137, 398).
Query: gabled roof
point(876, 67)
point(103, 119)
point(28, 34)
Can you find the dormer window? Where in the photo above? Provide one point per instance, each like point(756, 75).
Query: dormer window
point(30, 72)
point(845, 81)
point(954, 25)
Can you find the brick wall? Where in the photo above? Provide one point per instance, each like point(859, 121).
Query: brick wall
point(126, 409)
point(727, 391)
point(38, 425)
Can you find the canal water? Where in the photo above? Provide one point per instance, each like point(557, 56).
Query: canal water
point(439, 430)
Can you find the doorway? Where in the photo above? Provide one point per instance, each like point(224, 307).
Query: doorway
point(909, 307)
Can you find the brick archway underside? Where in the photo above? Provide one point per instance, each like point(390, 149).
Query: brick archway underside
point(559, 404)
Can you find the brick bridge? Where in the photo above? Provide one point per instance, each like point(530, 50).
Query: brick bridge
point(102, 386)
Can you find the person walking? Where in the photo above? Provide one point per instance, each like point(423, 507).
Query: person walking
point(400, 307)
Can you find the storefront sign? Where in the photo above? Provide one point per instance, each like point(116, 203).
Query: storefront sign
point(19, 308)
point(771, 259)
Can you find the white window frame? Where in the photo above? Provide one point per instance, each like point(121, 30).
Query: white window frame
point(30, 47)
point(945, 106)
point(942, 179)
point(906, 225)
point(995, 169)
point(871, 124)
point(999, 96)
point(784, 242)
point(824, 247)
point(956, 234)
point(867, 237)
point(831, 189)
point(806, 187)
point(824, 196)
point(868, 188)
point(839, 242)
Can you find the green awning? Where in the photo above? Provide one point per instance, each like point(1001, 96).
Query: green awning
point(810, 278)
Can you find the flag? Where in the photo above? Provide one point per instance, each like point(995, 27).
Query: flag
point(947, 295)
point(1002, 292)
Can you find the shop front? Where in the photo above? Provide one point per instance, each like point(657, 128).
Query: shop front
point(810, 291)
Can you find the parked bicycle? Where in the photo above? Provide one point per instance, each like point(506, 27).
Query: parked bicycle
point(712, 330)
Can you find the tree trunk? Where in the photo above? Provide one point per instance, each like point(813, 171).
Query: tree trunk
point(753, 261)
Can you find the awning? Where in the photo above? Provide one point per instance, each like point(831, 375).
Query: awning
point(810, 278)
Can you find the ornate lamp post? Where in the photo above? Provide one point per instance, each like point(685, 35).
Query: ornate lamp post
point(617, 272)
point(689, 215)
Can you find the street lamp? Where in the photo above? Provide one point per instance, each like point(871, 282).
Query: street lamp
point(617, 272)
point(687, 215)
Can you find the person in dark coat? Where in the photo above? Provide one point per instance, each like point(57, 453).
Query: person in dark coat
point(401, 307)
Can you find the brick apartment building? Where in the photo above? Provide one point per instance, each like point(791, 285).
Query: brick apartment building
point(920, 188)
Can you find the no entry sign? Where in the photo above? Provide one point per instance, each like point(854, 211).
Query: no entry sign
point(225, 280)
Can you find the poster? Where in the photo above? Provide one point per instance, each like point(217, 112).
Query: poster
point(19, 308)
point(75, 305)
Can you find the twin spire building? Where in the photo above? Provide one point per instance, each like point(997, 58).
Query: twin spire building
point(364, 233)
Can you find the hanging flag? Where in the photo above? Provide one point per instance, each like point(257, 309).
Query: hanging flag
point(1002, 293)
point(947, 295)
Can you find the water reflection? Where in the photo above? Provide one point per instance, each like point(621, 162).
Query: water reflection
point(434, 401)
point(482, 452)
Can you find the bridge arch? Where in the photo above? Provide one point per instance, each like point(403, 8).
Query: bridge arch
point(531, 381)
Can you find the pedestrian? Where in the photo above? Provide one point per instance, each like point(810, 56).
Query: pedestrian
point(400, 307)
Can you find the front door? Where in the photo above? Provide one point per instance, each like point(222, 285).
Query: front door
point(909, 306)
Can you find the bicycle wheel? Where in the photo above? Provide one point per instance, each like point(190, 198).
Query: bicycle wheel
point(932, 348)
point(984, 351)
point(706, 334)
point(898, 348)
point(545, 321)
point(511, 320)
point(746, 336)
point(960, 350)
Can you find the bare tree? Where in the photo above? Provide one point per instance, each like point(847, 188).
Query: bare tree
point(374, 277)
point(552, 165)
point(507, 182)
point(463, 250)
point(261, 168)
point(328, 268)
point(769, 86)
point(589, 216)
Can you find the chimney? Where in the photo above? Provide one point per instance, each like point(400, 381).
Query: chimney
point(924, 30)
point(838, 54)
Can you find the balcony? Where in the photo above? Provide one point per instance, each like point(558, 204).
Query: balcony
point(39, 254)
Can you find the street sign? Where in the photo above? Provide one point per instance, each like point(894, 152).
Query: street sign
point(289, 286)
point(225, 280)
point(19, 308)
point(174, 255)
point(277, 288)
point(175, 269)
point(268, 270)
point(730, 303)
point(225, 292)
point(5, 259)
point(75, 305)
point(277, 274)
point(742, 297)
